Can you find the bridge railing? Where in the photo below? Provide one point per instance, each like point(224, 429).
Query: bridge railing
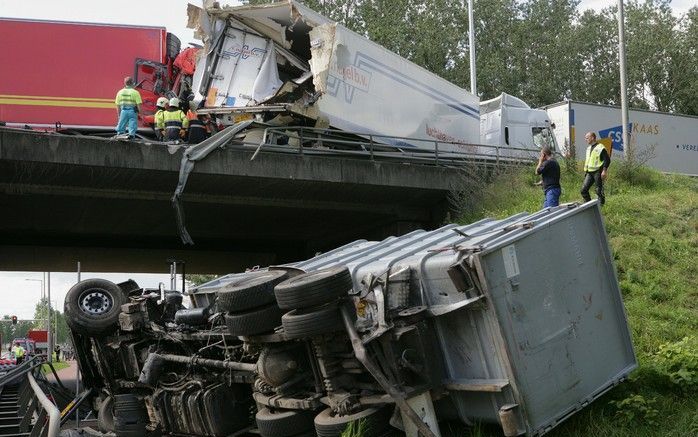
point(302, 140)
point(38, 414)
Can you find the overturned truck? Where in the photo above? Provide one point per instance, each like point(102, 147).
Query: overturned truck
point(518, 322)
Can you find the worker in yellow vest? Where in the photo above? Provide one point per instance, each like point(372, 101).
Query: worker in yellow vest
point(595, 167)
point(173, 122)
point(162, 105)
point(18, 350)
point(128, 104)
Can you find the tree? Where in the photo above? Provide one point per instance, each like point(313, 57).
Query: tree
point(686, 74)
point(57, 320)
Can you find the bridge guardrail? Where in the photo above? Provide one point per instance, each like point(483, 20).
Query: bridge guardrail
point(384, 146)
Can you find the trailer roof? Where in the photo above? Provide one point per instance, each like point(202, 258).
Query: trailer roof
point(32, 20)
point(579, 102)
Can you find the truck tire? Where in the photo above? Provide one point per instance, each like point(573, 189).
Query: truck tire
point(313, 288)
point(256, 321)
point(375, 421)
point(105, 415)
point(251, 291)
point(92, 306)
point(311, 322)
point(283, 423)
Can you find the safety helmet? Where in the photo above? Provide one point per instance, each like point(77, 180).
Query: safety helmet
point(174, 102)
point(162, 102)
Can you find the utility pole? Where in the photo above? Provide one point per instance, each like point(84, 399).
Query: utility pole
point(471, 43)
point(48, 317)
point(623, 84)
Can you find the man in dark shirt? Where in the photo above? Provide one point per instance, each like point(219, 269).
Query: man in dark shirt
point(595, 168)
point(549, 169)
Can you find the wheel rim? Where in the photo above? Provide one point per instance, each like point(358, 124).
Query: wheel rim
point(95, 302)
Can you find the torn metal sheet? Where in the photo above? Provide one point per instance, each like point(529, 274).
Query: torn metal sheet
point(350, 83)
point(189, 158)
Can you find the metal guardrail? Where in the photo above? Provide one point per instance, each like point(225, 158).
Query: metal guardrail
point(38, 413)
point(376, 146)
point(44, 408)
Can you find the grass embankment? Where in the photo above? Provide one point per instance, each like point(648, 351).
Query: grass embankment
point(56, 365)
point(652, 222)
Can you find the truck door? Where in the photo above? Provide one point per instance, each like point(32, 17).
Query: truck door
point(151, 83)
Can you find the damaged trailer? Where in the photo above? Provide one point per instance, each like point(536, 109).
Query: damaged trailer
point(283, 64)
point(518, 322)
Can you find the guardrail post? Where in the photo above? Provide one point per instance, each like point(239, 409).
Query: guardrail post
point(300, 143)
point(497, 150)
point(436, 151)
point(370, 138)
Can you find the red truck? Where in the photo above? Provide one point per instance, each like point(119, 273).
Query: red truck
point(40, 337)
point(65, 75)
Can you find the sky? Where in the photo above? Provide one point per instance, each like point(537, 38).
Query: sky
point(19, 296)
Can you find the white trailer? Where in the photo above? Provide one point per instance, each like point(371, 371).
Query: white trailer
point(282, 64)
point(667, 142)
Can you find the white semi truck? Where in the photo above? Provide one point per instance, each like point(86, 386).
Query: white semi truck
point(666, 142)
point(283, 64)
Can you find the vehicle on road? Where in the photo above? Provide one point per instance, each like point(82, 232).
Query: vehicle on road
point(40, 338)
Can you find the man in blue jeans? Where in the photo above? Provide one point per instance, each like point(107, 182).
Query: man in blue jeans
point(128, 105)
point(549, 169)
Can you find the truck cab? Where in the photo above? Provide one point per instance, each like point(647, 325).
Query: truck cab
point(509, 122)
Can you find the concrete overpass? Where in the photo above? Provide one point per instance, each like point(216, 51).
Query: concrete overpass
point(107, 204)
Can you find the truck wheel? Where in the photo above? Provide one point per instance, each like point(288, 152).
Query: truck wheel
point(313, 288)
point(283, 423)
point(256, 321)
point(92, 306)
point(311, 322)
point(105, 415)
point(374, 422)
point(251, 291)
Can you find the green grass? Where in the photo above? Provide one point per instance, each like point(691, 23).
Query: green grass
point(56, 365)
point(652, 222)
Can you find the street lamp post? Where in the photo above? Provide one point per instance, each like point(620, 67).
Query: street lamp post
point(50, 331)
point(623, 84)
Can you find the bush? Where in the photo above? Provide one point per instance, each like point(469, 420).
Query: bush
point(678, 362)
point(636, 408)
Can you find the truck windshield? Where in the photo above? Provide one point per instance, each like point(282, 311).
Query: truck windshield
point(543, 137)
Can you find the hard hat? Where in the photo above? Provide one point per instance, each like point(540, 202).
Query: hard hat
point(162, 101)
point(174, 101)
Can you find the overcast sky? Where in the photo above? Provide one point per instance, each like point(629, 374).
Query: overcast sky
point(17, 295)
point(171, 14)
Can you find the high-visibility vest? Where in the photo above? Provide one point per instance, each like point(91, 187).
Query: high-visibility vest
point(593, 160)
point(174, 121)
point(128, 98)
point(160, 119)
point(19, 351)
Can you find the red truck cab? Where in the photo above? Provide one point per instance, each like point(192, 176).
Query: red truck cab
point(65, 75)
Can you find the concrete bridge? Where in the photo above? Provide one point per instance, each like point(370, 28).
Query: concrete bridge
point(107, 204)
